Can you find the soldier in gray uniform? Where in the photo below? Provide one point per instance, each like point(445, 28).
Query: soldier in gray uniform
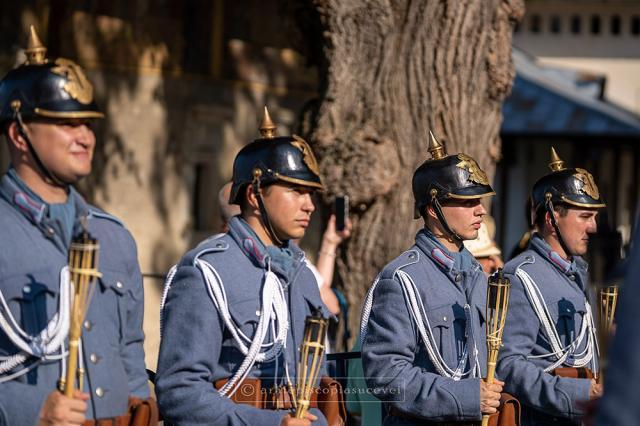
point(549, 351)
point(45, 109)
point(234, 307)
point(423, 333)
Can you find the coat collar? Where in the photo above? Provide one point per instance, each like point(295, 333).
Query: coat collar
point(565, 266)
point(452, 264)
point(258, 253)
point(33, 207)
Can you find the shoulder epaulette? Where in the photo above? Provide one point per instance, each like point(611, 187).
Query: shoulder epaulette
point(93, 212)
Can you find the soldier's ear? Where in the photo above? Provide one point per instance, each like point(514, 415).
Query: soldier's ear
point(548, 225)
point(252, 201)
point(431, 213)
point(15, 139)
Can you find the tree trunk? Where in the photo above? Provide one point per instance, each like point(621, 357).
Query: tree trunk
point(391, 71)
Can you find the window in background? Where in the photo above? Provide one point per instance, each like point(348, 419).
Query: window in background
point(595, 24)
point(555, 24)
point(535, 24)
point(635, 25)
point(615, 25)
point(576, 24)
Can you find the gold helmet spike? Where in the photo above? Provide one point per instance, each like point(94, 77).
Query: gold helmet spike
point(35, 50)
point(435, 148)
point(267, 127)
point(556, 163)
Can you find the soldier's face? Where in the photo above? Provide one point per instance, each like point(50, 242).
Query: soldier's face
point(289, 209)
point(64, 146)
point(464, 217)
point(575, 227)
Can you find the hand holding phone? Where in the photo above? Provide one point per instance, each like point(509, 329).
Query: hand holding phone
point(341, 211)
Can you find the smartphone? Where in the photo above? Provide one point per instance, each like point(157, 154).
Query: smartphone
point(342, 211)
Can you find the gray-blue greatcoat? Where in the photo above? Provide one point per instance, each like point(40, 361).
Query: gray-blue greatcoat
point(545, 399)
point(396, 364)
point(197, 349)
point(32, 254)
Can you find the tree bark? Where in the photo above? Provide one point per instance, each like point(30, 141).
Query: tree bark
point(391, 71)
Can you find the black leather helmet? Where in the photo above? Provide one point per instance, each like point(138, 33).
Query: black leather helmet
point(272, 158)
point(445, 177)
point(575, 187)
point(448, 176)
point(43, 89)
point(40, 88)
point(569, 187)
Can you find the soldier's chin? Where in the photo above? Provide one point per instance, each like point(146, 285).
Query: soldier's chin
point(471, 235)
point(73, 178)
point(580, 250)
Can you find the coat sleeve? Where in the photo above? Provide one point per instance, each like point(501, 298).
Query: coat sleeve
point(526, 380)
point(132, 347)
point(189, 352)
point(28, 410)
point(388, 355)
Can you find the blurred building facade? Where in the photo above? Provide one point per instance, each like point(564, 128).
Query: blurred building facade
point(599, 37)
point(577, 88)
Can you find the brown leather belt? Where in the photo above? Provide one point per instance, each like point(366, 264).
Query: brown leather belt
point(281, 399)
point(250, 392)
point(573, 372)
point(141, 412)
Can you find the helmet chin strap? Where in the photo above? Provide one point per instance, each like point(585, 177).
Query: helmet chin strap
point(549, 208)
point(438, 209)
point(255, 185)
point(45, 171)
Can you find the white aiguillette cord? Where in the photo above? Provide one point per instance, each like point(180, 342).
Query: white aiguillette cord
point(558, 350)
point(274, 311)
point(416, 308)
point(43, 346)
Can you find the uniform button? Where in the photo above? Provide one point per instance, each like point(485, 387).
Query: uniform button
point(93, 358)
point(50, 232)
point(528, 258)
point(458, 278)
point(88, 325)
point(99, 392)
point(444, 318)
point(119, 284)
point(412, 256)
point(258, 313)
point(26, 289)
point(219, 245)
point(572, 277)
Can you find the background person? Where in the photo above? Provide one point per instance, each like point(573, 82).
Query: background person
point(484, 248)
